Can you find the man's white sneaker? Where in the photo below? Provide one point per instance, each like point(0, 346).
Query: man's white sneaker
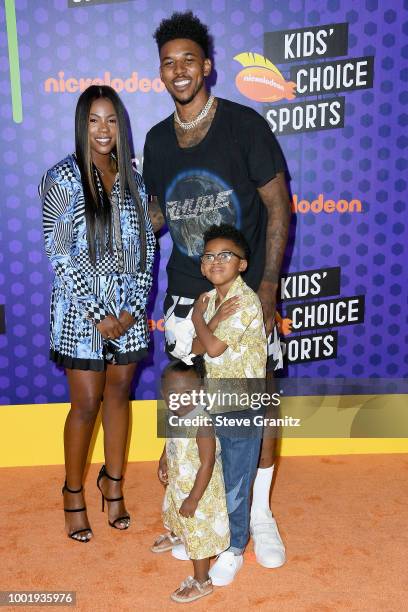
point(268, 545)
point(179, 552)
point(225, 568)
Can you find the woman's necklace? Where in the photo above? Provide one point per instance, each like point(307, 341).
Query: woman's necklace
point(188, 125)
point(101, 172)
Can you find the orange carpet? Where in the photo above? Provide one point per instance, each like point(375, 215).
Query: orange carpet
point(344, 520)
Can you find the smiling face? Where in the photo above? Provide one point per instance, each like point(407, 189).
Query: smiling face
point(223, 274)
point(102, 127)
point(183, 69)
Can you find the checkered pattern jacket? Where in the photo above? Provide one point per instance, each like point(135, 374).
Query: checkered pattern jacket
point(64, 228)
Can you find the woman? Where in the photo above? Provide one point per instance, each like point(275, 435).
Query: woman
point(100, 242)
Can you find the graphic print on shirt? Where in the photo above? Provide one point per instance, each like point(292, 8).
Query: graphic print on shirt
point(195, 200)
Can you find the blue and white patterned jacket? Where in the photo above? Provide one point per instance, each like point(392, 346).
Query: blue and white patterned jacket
point(66, 245)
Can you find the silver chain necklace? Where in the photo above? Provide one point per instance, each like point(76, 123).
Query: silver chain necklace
point(188, 125)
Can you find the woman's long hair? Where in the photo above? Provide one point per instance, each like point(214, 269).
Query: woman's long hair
point(97, 204)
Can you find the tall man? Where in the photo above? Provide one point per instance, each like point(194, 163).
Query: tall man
point(215, 161)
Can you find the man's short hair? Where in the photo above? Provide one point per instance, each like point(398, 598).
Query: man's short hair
point(229, 232)
point(183, 25)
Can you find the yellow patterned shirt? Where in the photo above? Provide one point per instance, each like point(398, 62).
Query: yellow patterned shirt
point(243, 332)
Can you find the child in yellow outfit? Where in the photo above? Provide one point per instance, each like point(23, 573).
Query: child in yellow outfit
point(194, 507)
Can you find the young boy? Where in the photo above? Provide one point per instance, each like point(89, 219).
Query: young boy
point(230, 333)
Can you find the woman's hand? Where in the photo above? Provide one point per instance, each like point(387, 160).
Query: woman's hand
point(162, 470)
point(126, 320)
point(188, 507)
point(226, 310)
point(200, 305)
point(110, 328)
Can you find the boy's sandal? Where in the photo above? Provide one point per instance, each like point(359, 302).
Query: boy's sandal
point(202, 588)
point(166, 537)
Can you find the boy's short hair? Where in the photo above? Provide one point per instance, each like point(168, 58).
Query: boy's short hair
point(183, 25)
point(228, 232)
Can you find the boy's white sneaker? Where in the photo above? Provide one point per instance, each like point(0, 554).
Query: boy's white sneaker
point(179, 552)
point(225, 568)
point(268, 545)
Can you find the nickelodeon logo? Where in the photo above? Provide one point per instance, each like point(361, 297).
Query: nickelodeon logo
point(260, 80)
point(320, 205)
point(153, 324)
point(130, 85)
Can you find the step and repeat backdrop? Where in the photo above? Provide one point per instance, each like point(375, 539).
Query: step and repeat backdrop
point(330, 78)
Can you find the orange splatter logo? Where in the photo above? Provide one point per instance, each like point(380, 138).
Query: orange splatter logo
point(260, 80)
point(284, 325)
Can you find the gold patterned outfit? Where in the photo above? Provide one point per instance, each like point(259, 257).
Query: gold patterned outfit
point(206, 534)
point(242, 366)
point(244, 332)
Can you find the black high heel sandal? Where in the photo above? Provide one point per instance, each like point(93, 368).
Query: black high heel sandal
point(87, 529)
point(125, 517)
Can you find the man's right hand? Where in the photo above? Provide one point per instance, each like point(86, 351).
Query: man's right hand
point(162, 469)
point(156, 216)
point(110, 328)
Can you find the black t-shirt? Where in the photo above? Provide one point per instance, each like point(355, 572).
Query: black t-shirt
point(211, 183)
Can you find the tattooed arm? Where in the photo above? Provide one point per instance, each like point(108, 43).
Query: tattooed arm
point(276, 200)
point(155, 214)
point(151, 177)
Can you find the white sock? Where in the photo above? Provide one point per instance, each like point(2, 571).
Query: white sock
point(262, 489)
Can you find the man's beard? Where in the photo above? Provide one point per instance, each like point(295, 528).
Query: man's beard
point(191, 98)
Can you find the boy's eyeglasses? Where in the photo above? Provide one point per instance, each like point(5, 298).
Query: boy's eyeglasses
point(222, 257)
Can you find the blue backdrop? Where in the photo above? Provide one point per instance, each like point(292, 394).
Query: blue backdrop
point(332, 83)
